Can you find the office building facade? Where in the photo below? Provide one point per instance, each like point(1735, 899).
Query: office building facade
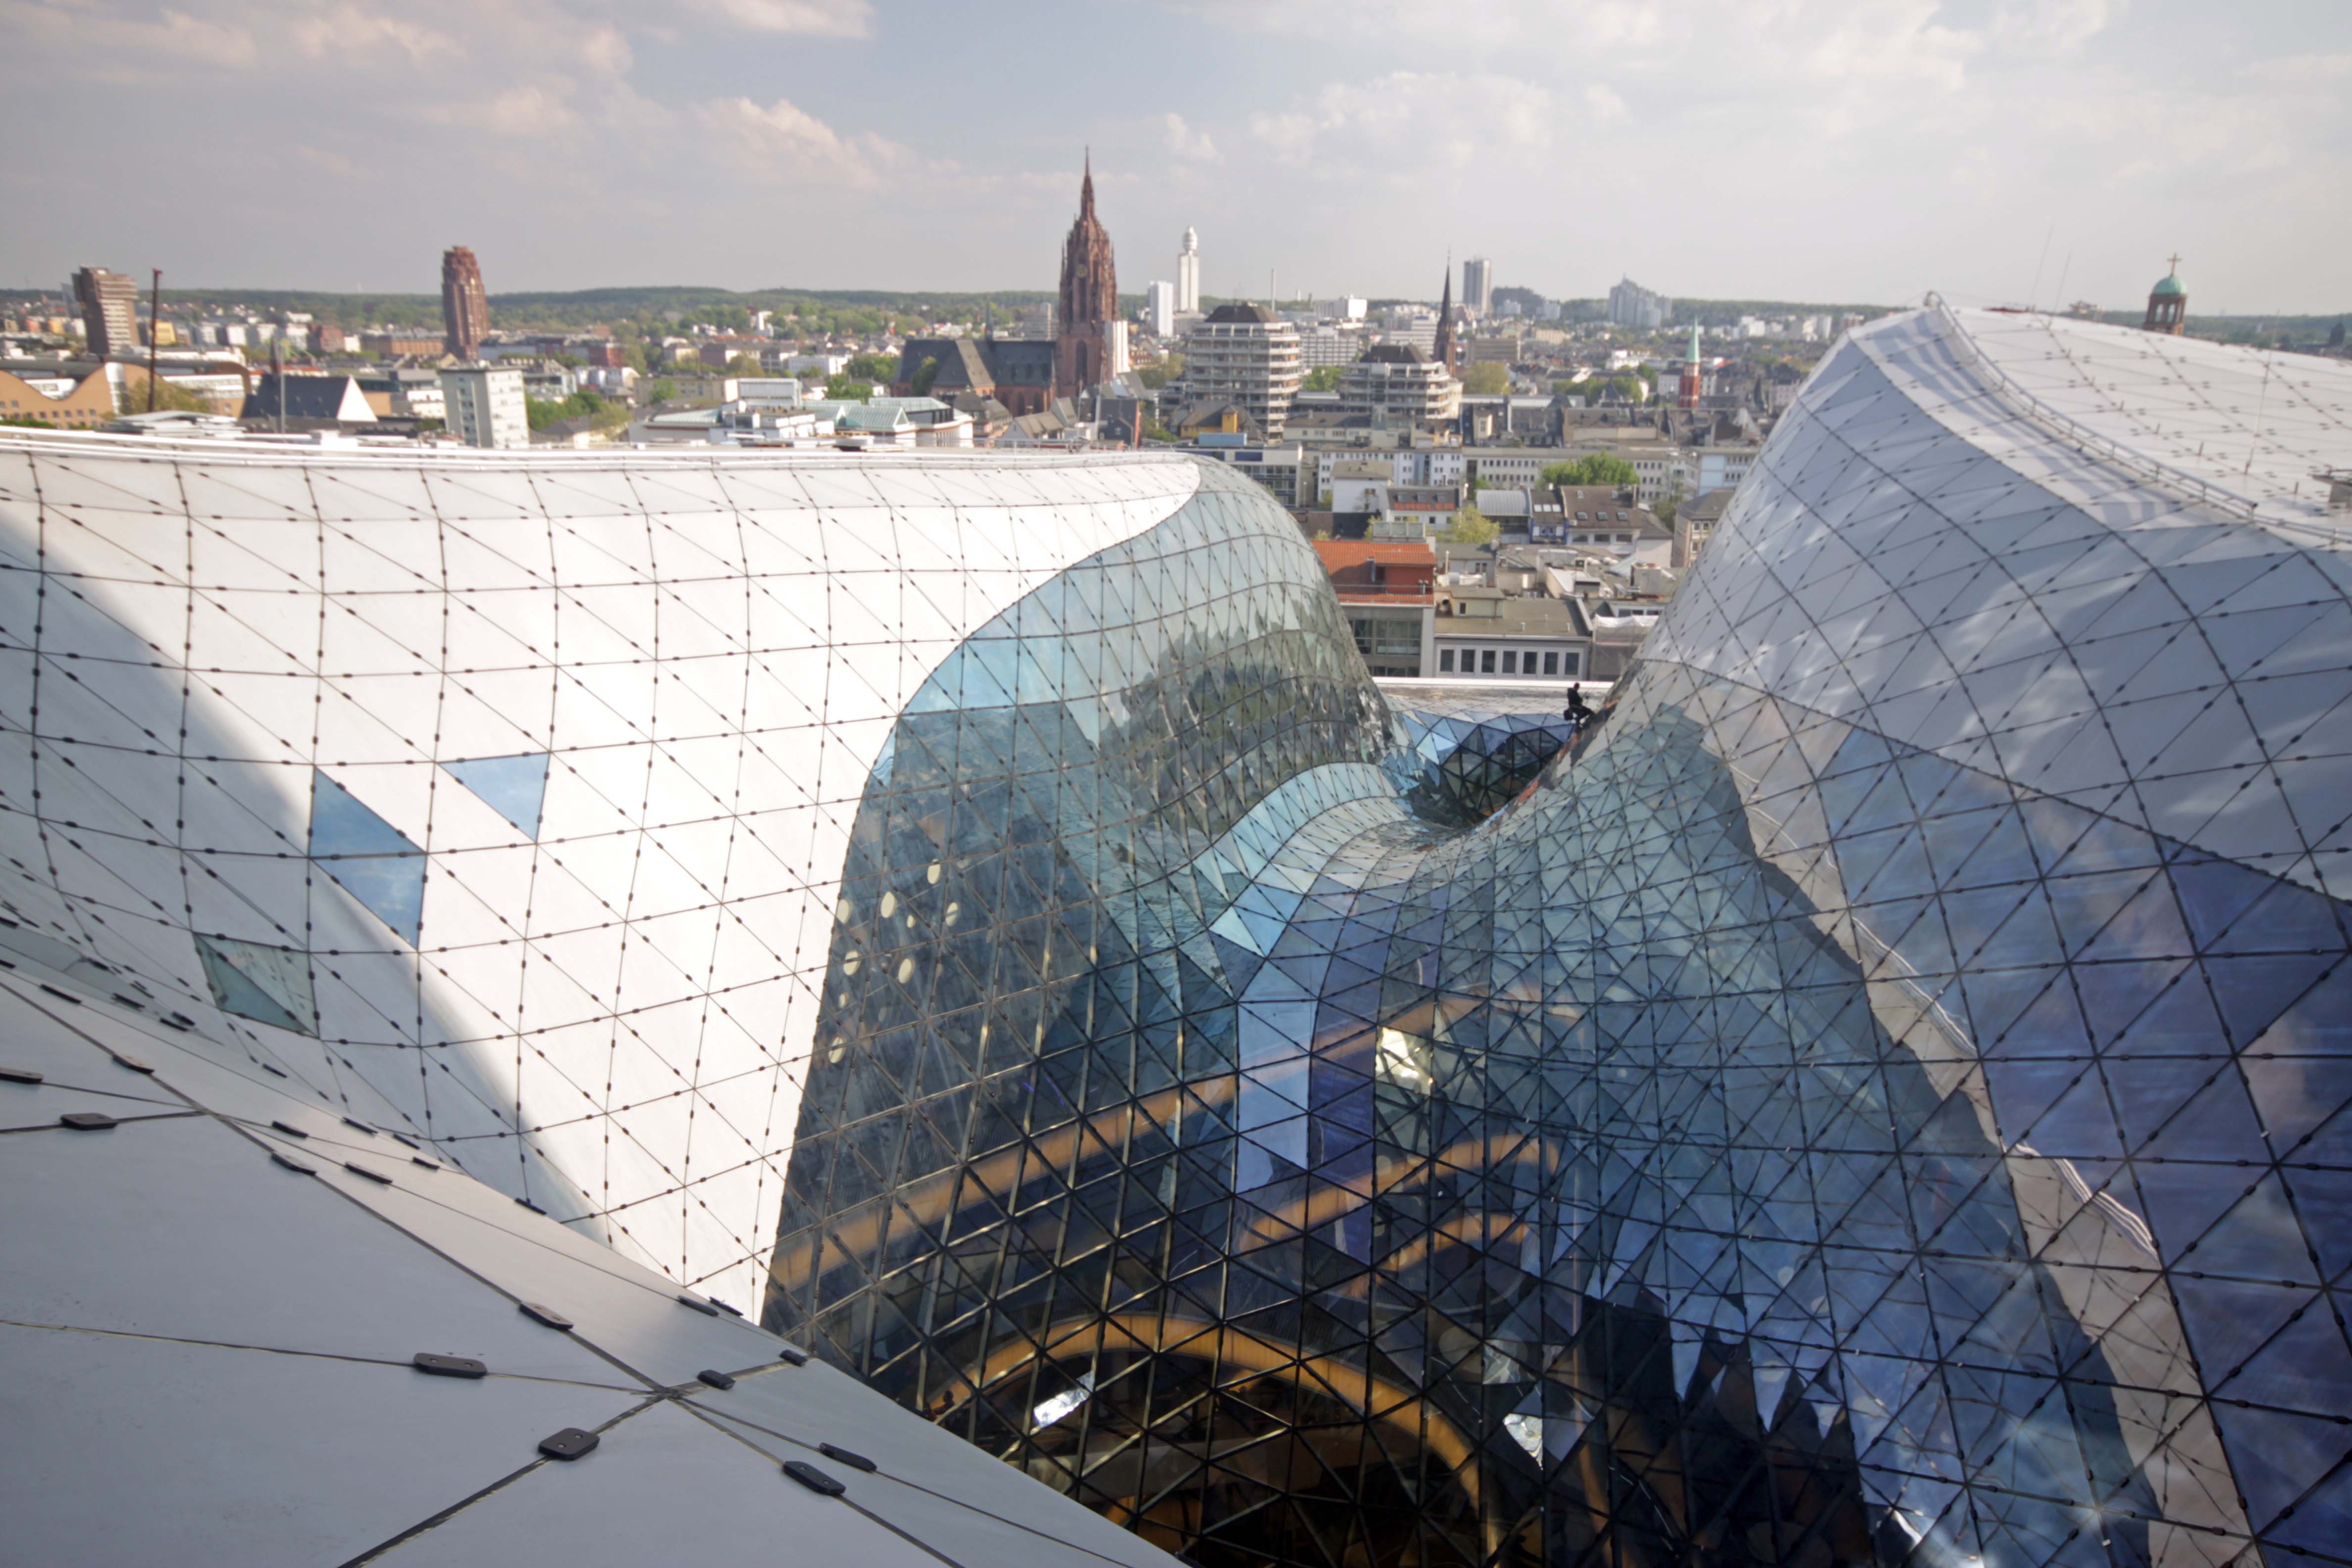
point(484, 406)
point(1479, 286)
point(110, 312)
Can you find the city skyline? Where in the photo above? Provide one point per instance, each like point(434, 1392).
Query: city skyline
point(1973, 150)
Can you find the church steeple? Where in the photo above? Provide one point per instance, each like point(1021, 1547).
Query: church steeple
point(1443, 348)
point(1091, 345)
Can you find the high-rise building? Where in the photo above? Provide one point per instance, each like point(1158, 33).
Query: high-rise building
point(1880, 1097)
point(110, 312)
point(1159, 308)
point(1631, 305)
point(1086, 346)
point(1397, 385)
point(486, 406)
point(1693, 382)
point(1246, 356)
point(1188, 272)
point(2168, 303)
point(465, 304)
point(1479, 286)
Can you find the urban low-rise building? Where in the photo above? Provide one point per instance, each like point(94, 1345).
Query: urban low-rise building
point(1488, 635)
point(1387, 594)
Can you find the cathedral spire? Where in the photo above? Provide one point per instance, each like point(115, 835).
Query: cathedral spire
point(1086, 188)
point(1443, 346)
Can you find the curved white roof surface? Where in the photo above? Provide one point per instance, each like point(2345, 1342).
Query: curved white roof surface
point(2240, 427)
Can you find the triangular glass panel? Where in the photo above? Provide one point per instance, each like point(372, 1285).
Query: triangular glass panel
point(374, 860)
point(515, 787)
point(268, 985)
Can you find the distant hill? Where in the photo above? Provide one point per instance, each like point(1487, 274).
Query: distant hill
point(647, 308)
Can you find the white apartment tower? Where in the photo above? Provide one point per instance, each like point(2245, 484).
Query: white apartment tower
point(1159, 308)
point(1188, 272)
point(486, 406)
point(1478, 285)
point(1247, 355)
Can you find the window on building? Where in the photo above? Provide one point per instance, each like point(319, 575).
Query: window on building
point(1486, 661)
point(1573, 660)
point(1551, 664)
point(1445, 659)
point(1511, 661)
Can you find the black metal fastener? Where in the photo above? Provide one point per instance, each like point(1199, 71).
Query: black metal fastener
point(791, 1355)
point(86, 1120)
point(817, 1480)
point(568, 1444)
point(179, 1021)
point(548, 1315)
point(717, 1379)
point(376, 1176)
point(449, 1365)
point(289, 1129)
point(124, 1059)
point(20, 1075)
point(293, 1165)
point(705, 1308)
point(850, 1457)
point(61, 995)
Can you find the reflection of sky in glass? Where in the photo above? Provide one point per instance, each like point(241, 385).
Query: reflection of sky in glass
point(374, 860)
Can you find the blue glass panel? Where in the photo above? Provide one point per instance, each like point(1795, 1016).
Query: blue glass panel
point(516, 787)
point(374, 860)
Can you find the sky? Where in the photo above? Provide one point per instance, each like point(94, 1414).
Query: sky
point(1849, 151)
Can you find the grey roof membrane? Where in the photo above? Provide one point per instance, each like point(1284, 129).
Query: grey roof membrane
point(211, 1314)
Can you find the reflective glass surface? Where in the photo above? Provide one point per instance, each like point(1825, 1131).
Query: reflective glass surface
point(1878, 1101)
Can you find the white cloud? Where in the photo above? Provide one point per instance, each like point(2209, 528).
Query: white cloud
point(781, 141)
point(352, 31)
point(1184, 141)
point(1602, 102)
point(532, 108)
point(606, 50)
point(1400, 121)
point(814, 18)
point(2054, 26)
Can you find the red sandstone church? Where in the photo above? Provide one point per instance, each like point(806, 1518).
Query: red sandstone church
point(1026, 374)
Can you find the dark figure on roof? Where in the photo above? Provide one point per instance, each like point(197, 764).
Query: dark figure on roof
point(1576, 712)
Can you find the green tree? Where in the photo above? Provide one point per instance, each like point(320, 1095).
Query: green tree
point(874, 367)
point(132, 398)
point(744, 364)
point(924, 374)
point(846, 389)
point(1471, 526)
point(660, 391)
point(1592, 469)
point(1487, 380)
point(1322, 378)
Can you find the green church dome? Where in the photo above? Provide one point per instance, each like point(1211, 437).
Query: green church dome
point(2171, 285)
